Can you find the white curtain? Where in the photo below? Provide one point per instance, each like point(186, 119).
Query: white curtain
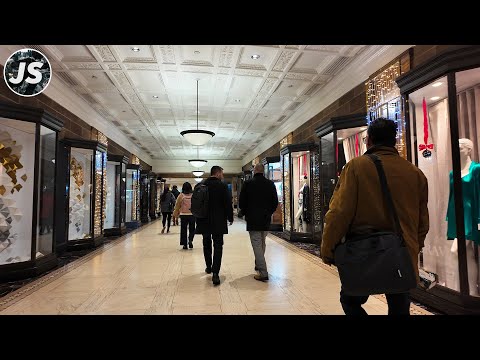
point(350, 146)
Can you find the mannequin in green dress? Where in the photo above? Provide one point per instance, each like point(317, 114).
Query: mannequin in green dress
point(470, 172)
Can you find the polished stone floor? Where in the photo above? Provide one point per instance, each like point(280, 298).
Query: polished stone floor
point(146, 272)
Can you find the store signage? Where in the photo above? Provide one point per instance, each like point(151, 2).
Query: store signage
point(27, 72)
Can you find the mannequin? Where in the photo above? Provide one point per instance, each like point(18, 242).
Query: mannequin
point(470, 172)
point(303, 196)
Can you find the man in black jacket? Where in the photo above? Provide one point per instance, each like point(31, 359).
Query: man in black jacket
point(258, 201)
point(215, 225)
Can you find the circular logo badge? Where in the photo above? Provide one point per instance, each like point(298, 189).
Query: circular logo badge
point(27, 72)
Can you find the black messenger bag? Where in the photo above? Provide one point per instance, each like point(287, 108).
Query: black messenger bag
point(379, 262)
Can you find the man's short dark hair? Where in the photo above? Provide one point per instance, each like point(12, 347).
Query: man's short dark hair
point(175, 186)
point(383, 132)
point(215, 170)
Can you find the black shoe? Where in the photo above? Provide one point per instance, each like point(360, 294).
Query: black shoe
point(216, 279)
point(190, 245)
point(261, 278)
point(185, 247)
point(208, 270)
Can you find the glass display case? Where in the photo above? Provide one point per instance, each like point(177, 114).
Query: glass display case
point(273, 171)
point(28, 140)
point(300, 176)
point(144, 196)
point(341, 139)
point(132, 217)
point(86, 183)
point(160, 187)
point(153, 196)
point(442, 110)
point(115, 204)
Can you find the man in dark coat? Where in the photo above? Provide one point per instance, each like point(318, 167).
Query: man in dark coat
point(258, 201)
point(215, 225)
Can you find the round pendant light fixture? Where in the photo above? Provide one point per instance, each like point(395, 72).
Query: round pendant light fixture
point(197, 137)
point(198, 173)
point(197, 162)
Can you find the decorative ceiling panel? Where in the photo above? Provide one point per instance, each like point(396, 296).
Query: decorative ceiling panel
point(244, 90)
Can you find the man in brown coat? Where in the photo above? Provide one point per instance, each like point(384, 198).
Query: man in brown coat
point(357, 207)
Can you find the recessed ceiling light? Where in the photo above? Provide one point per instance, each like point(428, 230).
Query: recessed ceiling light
point(437, 84)
point(340, 138)
point(290, 85)
point(196, 52)
point(124, 111)
point(155, 96)
point(435, 98)
point(255, 56)
point(237, 100)
point(136, 49)
point(94, 77)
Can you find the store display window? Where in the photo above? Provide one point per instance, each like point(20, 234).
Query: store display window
point(28, 141)
point(115, 204)
point(341, 139)
point(273, 171)
point(86, 193)
point(144, 196)
point(153, 196)
point(300, 183)
point(133, 196)
point(443, 121)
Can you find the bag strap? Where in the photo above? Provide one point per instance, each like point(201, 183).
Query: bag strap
point(386, 193)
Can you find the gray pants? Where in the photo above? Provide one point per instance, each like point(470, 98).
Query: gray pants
point(258, 244)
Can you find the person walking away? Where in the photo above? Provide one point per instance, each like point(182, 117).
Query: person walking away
point(182, 210)
point(214, 226)
point(167, 202)
point(258, 201)
point(175, 193)
point(357, 207)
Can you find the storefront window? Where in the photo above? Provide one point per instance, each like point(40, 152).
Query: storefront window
point(132, 182)
point(468, 110)
point(350, 144)
point(328, 173)
point(81, 192)
point(113, 193)
point(17, 165)
point(46, 192)
point(273, 171)
point(286, 188)
point(431, 144)
point(300, 183)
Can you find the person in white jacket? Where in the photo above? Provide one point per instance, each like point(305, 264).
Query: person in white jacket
point(182, 210)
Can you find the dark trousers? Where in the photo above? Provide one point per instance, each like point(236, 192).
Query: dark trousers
point(398, 304)
point(217, 251)
point(166, 216)
point(187, 221)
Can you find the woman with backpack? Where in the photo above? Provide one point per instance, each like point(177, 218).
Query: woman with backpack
point(182, 209)
point(167, 202)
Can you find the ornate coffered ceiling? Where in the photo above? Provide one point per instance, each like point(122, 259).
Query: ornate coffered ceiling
point(150, 94)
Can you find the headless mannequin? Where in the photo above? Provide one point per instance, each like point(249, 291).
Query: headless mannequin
point(466, 147)
point(300, 205)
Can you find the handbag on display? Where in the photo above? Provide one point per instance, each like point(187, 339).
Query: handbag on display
point(379, 262)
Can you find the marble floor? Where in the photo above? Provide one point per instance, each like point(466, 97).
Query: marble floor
point(146, 272)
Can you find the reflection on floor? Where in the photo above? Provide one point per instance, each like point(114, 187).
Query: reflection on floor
point(148, 273)
point(63, 260)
